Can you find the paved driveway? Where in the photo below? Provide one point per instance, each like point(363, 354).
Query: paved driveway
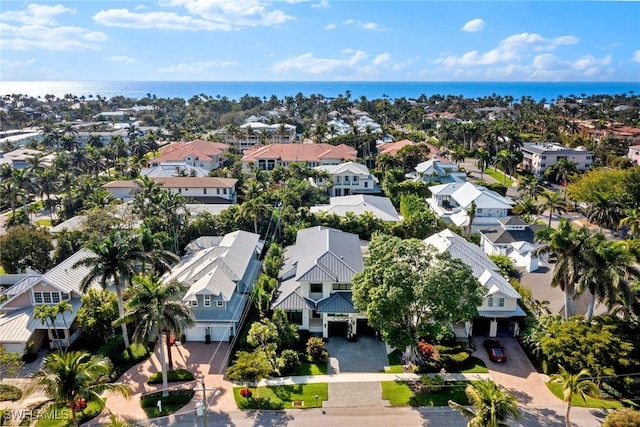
point(517, 374)
point(365, 355)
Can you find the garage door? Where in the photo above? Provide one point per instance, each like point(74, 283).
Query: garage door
point(218, 333)
point(337, 329)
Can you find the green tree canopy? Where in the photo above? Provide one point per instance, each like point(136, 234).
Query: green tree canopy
point(25, 246)
point(98, 312)
point(409, 292)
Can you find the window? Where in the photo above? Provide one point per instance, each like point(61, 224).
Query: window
point(46, 296)
point(366, 184)
point(186, 189)
point(316, 315)
point(217, 191)
point(346, 178)
point(219, 303)
point(355, 179)
point(37, 297)
point(55, 297)
point(295, 317)
point(180, 190)
point(316, 288)
point(194, 302)
point(207, 300)
point(224, 191)
point(490, 302)
point(479, 210)
point(544, 157)
point(543, 165)
point(500, 302)
point(341, 286)
point(204, 191)
point(65, 296)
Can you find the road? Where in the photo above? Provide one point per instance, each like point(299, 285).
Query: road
point(371, 417)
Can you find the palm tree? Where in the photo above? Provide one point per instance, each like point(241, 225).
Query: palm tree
point(604, 210)
point(47, 314)
point(68, 377)
point(113, 260)
point(526, 207)
point(553, 203)
point(492, 405)
point(503, 161)
point(156, 307)
point(10, 192)
point(529, 186)
point(254, 209)
point(160, 258)
point(458, 155)
point(565, 242)
point(563, 170)
point(609, 266)
point(60, 309)
point(632, 220)
point(484, 160)
point(574, 384)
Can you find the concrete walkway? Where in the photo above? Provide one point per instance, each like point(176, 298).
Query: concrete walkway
point(355, 377)
point(355, 395)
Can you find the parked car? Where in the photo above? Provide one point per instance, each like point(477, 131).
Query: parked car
point(495, 350)
point(553, 258)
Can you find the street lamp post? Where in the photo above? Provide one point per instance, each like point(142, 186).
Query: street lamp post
point(316, 400)
point(203, 402)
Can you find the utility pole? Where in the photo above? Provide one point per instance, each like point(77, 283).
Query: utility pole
point(203, 402)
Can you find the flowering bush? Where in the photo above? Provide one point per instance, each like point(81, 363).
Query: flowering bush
point(246, 393)
point(428, 351)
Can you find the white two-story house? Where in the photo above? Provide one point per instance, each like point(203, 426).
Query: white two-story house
point(346, 179)
point(219, 275)
point(500, 312)
point(316, 282)
point(455, 202)
point(513, 238)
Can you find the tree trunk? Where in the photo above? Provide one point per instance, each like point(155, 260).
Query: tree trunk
point(168, 344)
point(163, 363)
point(589, 314)
point(567, 421)
point(74, 417)
point(123, 326)
point(255, 224)
point(550, 213)
point(412, 356)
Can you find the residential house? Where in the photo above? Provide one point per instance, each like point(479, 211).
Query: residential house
point(258, 133)
point(379, 207)
point(202, 189)
point(20, 328)
point(269, 156)
point(513, 238)
point(500, 312)
point(167, 170)
point(634, 154)
point(316, 282)
point(455, 202)
point(436, 170)
point(392, 148)
point(220, 273)
point(186, 155)
point(19, 159)
point(540, 156)
point(346, 179)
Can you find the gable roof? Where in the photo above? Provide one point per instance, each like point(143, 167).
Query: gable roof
point(466, 193)
point(199, 148)
point(197, 182)
point(326, 255)
point(392, 148)
point(485, 270)
point(436, 167)
point(122, 184)
point(380, 207)
point(17, 326)
point(171, 169)
point(350, 167)
point(300, 152)
point(337, 302)
point(289, 297)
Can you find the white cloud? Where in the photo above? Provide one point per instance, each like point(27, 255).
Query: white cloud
point(636, 56)
point(197, 67)
point(309, 64)
point(141, 7)
point(123, 59)
point(36, 14)
point(159, 20)
point(6, 64)
point(40, 31)
point(473, 25)
point(30, 37)
point(382, 59)
point(233, 12)
point(372, 26)
point(330, 27)
point(322, 5)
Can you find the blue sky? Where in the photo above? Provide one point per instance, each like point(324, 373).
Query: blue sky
point(258, 40)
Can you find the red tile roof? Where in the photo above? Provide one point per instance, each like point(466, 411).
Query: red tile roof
point(200, 148)
point(122, 184)
point(392, 148)
point(300, 152)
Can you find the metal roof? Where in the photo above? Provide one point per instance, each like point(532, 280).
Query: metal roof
point(17, 326)
point(380, 207)
point(289, 298)
point(517, 312)
point(338, 302)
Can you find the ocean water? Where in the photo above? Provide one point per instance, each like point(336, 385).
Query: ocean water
point(372, 90)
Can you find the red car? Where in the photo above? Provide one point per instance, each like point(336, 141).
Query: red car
point(495, 350)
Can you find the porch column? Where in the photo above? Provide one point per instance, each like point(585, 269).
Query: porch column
point(516, 328)
point(66, 337)
point(493, 328)
point(354, 324)
point(468, 328)
point(325, 325)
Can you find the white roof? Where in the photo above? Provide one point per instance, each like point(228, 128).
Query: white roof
point(466, 193)
point(435, 166)
point(380, 207)
point(350, 167)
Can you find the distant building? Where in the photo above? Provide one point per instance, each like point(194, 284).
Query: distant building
point(19, 159)
point(198, 153)
point(380, 207)
point(634, 154)
point(436, 170)
point(269, 156)
point(540, 156)
point(514, 238)
point(258, 133)
point(204, 190)
point(346, 179)
point(392, 148)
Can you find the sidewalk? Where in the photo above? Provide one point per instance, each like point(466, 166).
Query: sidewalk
point(365, 377)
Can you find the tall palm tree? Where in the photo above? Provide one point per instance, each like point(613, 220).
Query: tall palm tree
point(113, 260)
point(59, 310)
point(609, 266)
point(553, 203)
point(47, 314)
point(563, 170)
point(69, 377)
point(10, 192)
point(156, 307)
point(565, 241)
point(503, 161)
point(529, 186)
point(527, 208)
point(604, 210)
point(254, 209)
point(484, 160)
point(572, 384)
point(160, 258)
point(492, 406)
point(632, 220)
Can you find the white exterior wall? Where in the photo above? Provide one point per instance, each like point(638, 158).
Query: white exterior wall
point(208, 164)
point(539, 163)
point(125, 194)
point(509, 303)
point(210, 192)
point(634, 154)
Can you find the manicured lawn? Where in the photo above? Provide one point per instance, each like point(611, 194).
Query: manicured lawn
point(395, 363)
point(170, 404)
point(590, 402)
point(286, 394)
point(175, 376)
point(93, 409)
point(399, 393)
point(312, 369)
point(473, 366)
point(498, 176)
point(44, 222)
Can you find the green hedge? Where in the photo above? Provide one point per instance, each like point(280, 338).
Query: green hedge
point(176, 399)
point(175, 376)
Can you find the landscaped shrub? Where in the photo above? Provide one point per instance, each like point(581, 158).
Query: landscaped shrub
point(316, 350)
point(289, 362)
point(175, 376)
point(261, 403)
point(246, 393)
point(429, 352)
point(9, 392)
point(626, 417)
point(453, 360)
point(432, 383)
point(151, 399)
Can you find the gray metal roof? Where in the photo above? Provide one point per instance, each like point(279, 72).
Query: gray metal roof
point(67, 278)
point(517, 312)
point(327, 255)
point(288, 297)
point(380, 207)
point(338, 302)
point(17, 326)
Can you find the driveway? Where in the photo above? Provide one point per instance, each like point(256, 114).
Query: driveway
point(365, 355)
point(517, 374)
